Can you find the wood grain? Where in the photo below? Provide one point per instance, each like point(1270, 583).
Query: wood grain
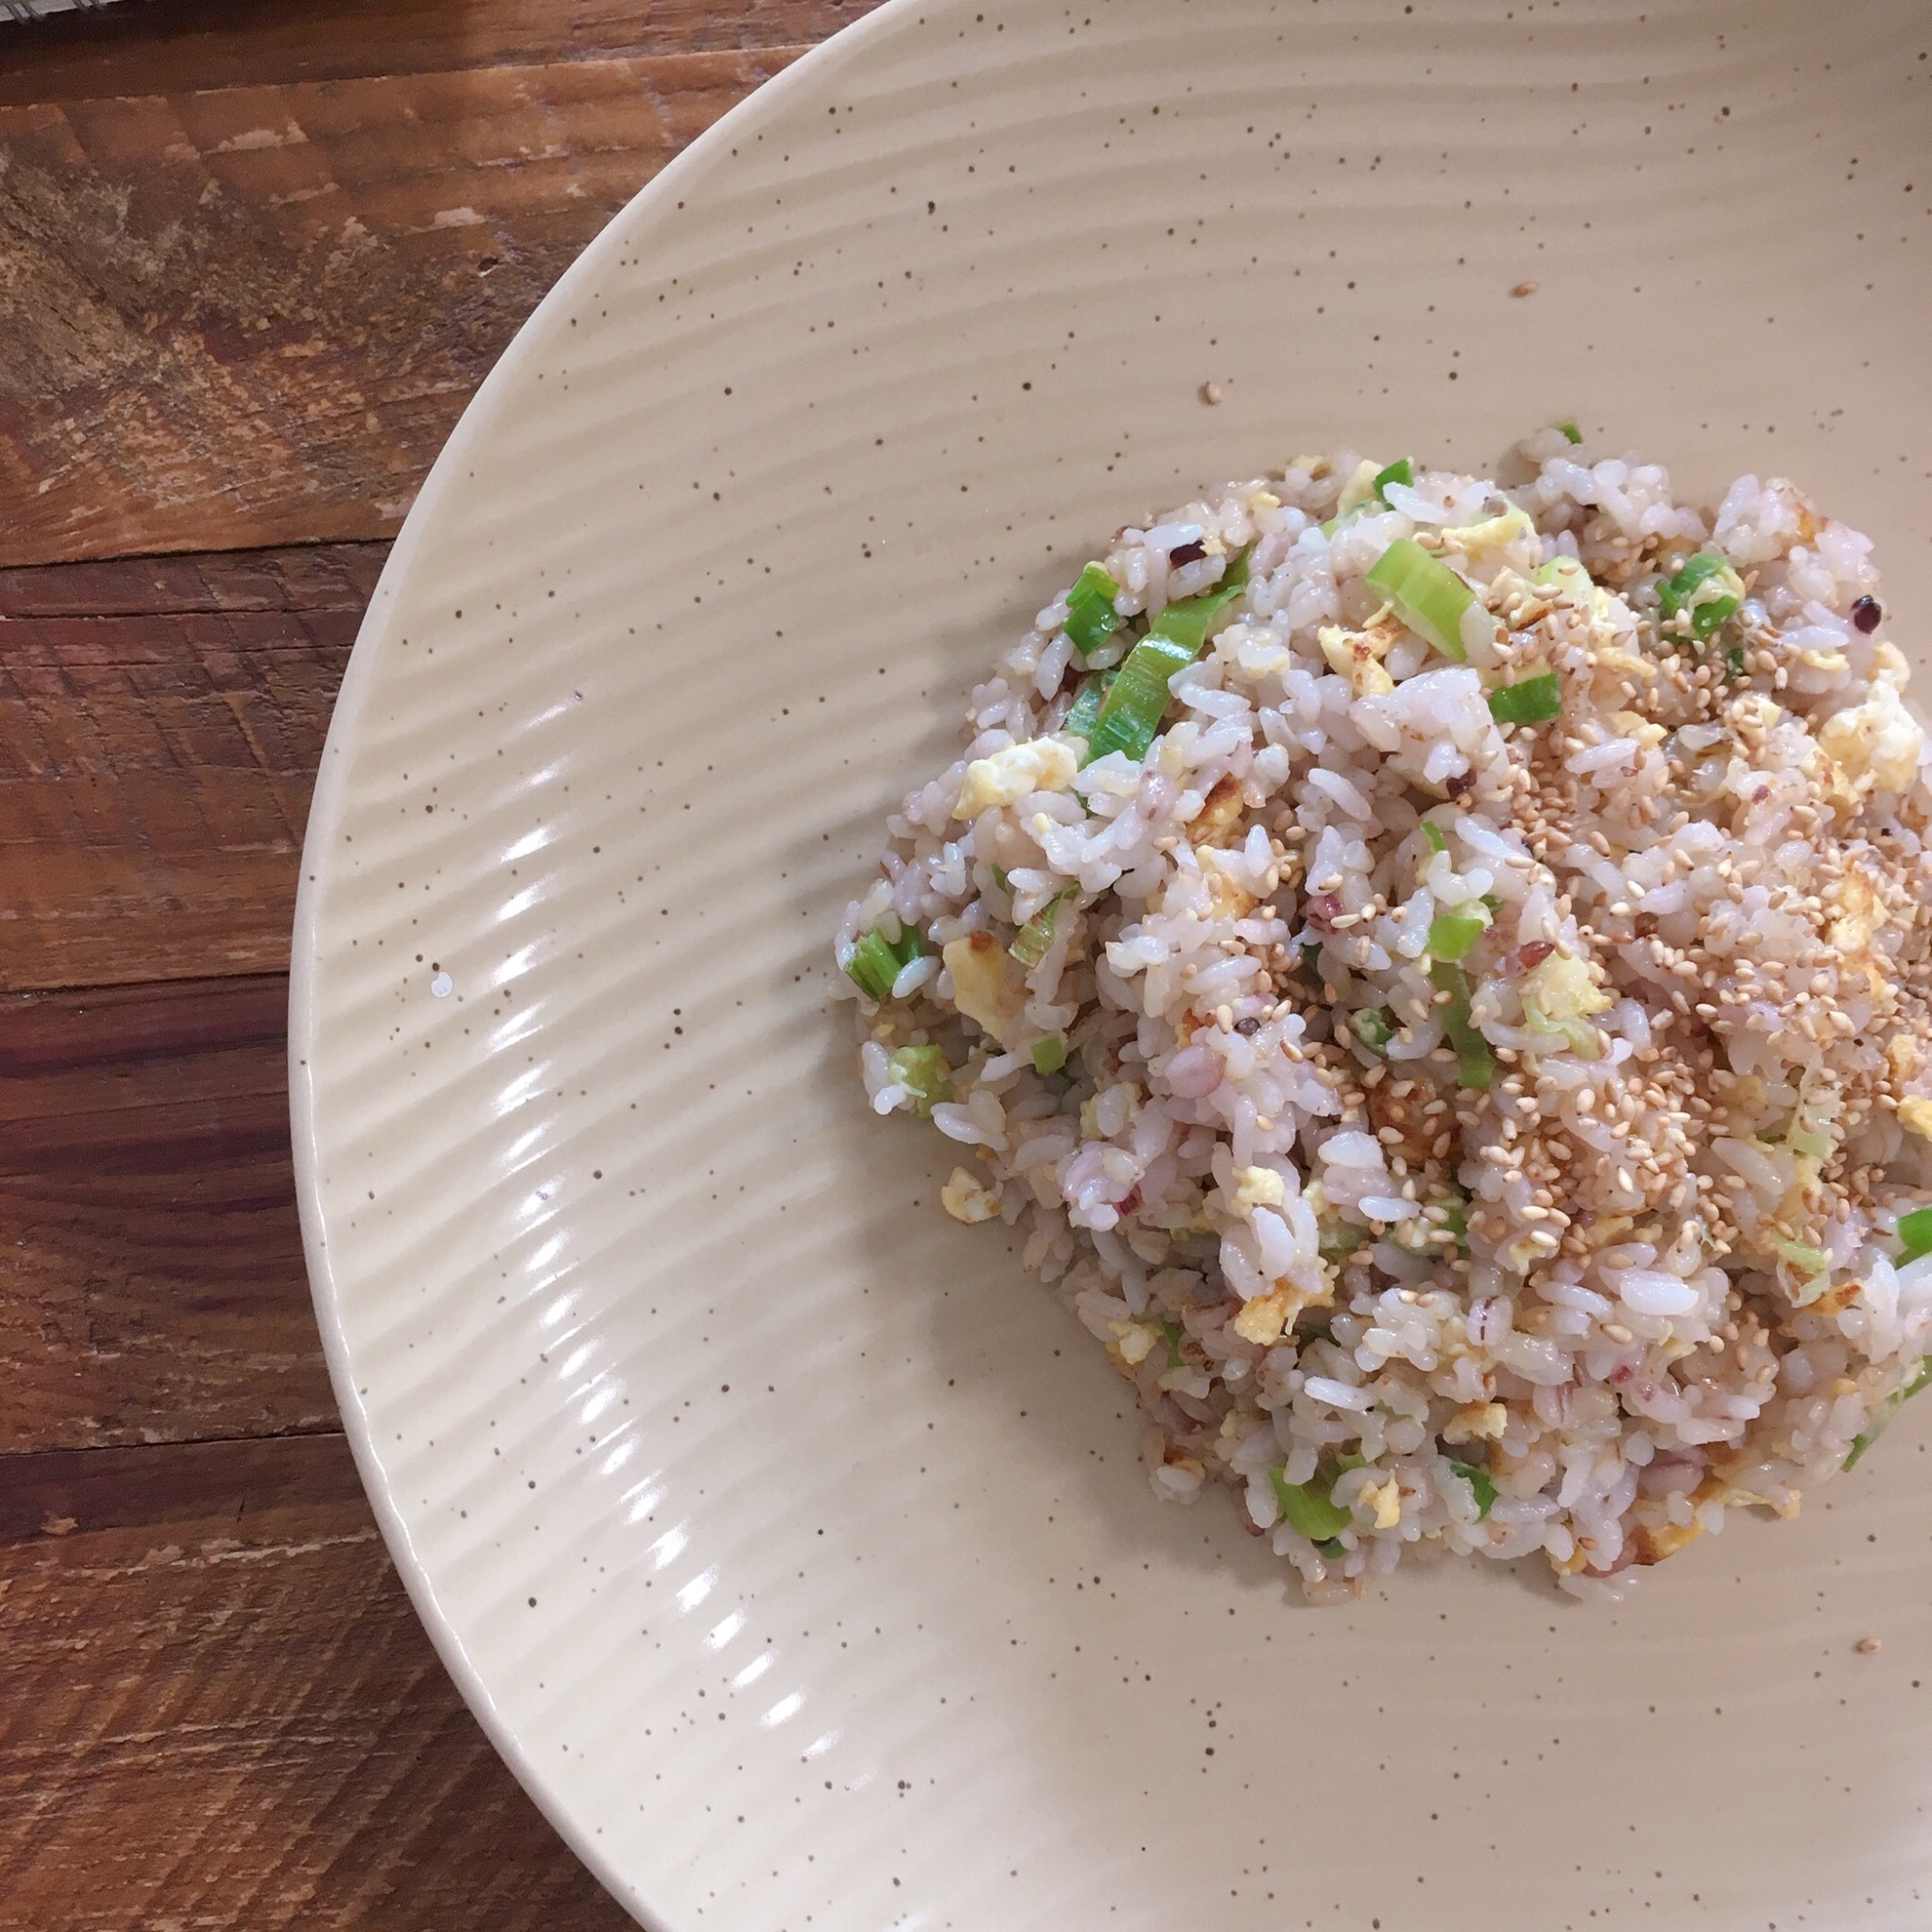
point(252, 315)
point(163, 46)
point(154, 1286)
point(161, 722)
point(218, 1711)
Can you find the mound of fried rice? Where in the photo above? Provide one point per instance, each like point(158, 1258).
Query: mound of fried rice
point(1565, 1243)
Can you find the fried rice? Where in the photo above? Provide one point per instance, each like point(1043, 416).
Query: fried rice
point(1434, 966)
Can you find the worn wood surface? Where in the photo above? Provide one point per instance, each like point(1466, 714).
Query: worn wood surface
point(254, 259)
point(218, 1710)
point(160, 721)
point(155, 1288)
point(252, 315)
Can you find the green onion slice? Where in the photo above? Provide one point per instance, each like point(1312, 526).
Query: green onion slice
point(876, 962)
point(1451, 934)
point(1130, 715)
point(1174, 1335)
point(1706, 587)
point(1091, 616)
point(1311, 1514)
point(1531, 700)
point(1432, 836)
point(1034, 939)
point(1371, 1026)
point(923, 1071)
point(1188, 622)
point(1477, 1065)
point(1428, 596)
point(1087, 704)
point(1311, 958)
point(1401, 470)
point(1889, 1408)
point(1049, 1055)
point(1915, 1229)
point(1479, 1481)
point(1571, 433)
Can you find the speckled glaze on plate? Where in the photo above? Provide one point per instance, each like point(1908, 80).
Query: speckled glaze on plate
point(792, 1544)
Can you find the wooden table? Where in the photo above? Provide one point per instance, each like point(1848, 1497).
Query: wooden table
point(254, 259)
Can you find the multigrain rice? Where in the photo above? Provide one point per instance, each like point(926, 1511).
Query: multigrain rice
point(1566, 1241)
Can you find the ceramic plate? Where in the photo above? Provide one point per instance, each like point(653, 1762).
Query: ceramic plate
point(793, 1544)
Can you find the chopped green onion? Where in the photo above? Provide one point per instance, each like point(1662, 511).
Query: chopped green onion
point(1049, 1055)
point(1174, 1334)
point(1131, 714)
point(1000, 877)
point(1476, 1066)
point(1087, 705)
point(1458, 1224)
point(1401, 470)
point(1034, 938)
point(1428, 596)
point(1479, 1481)
point(1810, 1141)
point(876, 962)
point(1188, 622)
point(1915, 1229)
point(1571, 433)
point(1432, 836)
point(1586, 1041)
point(1531, 700)
point(1734, 661)
point(1313, 1516)
point(1451, 934)
point(1091, 616)
point(1372, 1028)
point(1803, 1255)
point(923, 1071)
point(1889, 1408)
point(1348, 1459)
point(1311, 959)
point(1707, 587)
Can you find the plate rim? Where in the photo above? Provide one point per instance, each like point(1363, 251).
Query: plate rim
point(325, 808)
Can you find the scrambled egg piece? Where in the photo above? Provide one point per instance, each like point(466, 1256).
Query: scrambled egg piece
point(1511, 537)
point(1915, 1116)
point(1258, 1187)
point(1859, 916)
point(1646, 731)
point(988, 983)
point(1220, 812)
point(1133, 1341)
point(1878, 740)
point(1229, 899)
point(1357, 656)
point(1479, 1421)
point(1387, 1499)
point(966, 1199)
point(1041, 764)
point(1359, 489)
point(1263, 1319)
point(1563, 989)
point(1653, 1546)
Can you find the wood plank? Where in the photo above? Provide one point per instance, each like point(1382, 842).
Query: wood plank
point(155, 1288)
point(217, 1710)
point(55, 1493)
point(251, 315)
point(171, 45)
point(161, 723)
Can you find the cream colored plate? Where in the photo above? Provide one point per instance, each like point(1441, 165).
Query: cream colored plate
point(791, 1543)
